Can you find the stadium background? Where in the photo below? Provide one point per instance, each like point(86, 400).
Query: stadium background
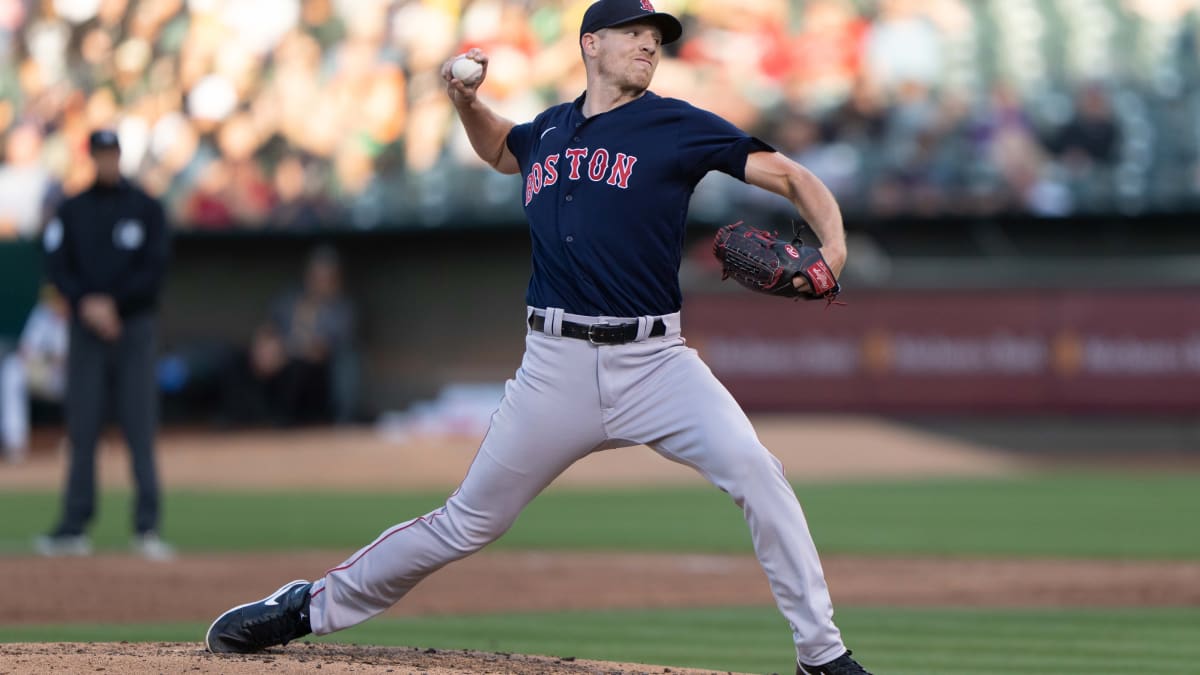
point(1020, 180)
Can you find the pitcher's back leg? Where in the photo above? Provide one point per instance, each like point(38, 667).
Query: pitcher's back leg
point(542, 426)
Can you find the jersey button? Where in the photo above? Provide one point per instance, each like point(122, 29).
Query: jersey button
point(570, 239)
point(576, 139)
point(570, 198)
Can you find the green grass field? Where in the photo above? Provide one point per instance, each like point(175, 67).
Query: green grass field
point(754, 639)
point(1146, 516)
point(1063, 515)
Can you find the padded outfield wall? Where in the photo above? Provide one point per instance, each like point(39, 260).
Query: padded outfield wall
point(970, 351)
point(969, 330)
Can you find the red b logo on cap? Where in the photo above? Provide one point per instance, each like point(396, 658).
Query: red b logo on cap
point(647, 6)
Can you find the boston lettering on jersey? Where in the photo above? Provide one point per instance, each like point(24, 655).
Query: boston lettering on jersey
point(545, 173)
point(607, 196)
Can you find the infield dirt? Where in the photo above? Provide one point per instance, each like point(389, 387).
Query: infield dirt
point(196, 587)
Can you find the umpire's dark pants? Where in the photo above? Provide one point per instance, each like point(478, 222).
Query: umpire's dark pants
point(115, 376)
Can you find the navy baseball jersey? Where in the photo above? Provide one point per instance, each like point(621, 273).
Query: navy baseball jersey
point(607, 199)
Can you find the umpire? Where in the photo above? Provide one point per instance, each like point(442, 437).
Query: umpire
point(107, 251)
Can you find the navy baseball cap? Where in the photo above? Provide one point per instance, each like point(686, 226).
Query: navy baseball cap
point(609, 13)
point(103, 139)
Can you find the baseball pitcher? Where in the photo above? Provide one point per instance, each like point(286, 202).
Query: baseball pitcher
point(606, 183)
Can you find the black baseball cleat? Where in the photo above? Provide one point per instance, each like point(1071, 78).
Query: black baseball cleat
point(277, 619)
point(842, 665)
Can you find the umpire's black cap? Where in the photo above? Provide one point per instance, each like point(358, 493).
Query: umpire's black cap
point(103, 139)
point(609, 13)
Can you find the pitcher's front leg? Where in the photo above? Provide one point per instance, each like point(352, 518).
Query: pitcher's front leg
point(705, 428)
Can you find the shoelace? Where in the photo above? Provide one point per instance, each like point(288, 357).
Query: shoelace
point(846, 666)
point(276, 627)
point(843, 665)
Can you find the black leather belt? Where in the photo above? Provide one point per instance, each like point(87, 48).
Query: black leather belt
point(600, 333)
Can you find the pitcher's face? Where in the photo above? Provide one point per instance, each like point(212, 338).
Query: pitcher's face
point(627, 55)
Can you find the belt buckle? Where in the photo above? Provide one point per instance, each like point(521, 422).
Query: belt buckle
point(594, 336)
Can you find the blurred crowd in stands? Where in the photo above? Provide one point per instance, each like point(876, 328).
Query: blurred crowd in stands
point(300, 114)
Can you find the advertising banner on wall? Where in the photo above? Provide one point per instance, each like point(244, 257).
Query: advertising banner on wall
point(956, 351)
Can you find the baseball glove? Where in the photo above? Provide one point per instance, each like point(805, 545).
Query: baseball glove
point(761, 261)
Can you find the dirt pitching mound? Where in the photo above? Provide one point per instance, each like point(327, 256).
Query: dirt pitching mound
point(168, 657)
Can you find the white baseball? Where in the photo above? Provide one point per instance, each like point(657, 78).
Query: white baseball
point(467, 70)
